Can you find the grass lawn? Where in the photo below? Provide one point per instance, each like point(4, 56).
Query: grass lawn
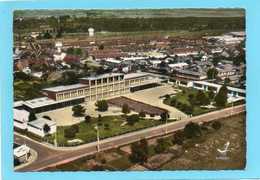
point(183, 102)
point(108, 126)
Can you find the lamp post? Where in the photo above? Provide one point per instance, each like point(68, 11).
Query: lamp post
point(98, 148)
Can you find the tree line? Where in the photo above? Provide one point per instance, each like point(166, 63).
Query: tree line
point(68, 24)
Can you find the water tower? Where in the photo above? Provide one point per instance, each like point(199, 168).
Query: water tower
point(91, 32)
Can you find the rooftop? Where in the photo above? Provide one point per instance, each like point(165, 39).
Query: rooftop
point(65, 88)
point(39, 123)
point(135, 75)
point(102, 76)
point(45, 101)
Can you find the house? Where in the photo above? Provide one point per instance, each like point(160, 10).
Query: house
point(37, 127)
point(180, 65)
point(20, 118)
point(225, 71)
point(21, 152)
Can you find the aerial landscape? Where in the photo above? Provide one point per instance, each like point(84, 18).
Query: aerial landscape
point(129, 90)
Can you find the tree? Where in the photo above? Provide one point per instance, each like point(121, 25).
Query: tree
point(221, 97)
point(32, 117)
point(192, 130)
point(162, 145)
point(139, 152)
point(202, 98)
point(125, 109)
point(178, 138)
point(87, 119)
point(212, 73)
point(47, 35)
point(78, 110)
point(142, 114)
point(69, 77)
point(46, 128)
point(102, 105)
point(21, 76)
point(211, 94)
point(132, 119)
point(164, 116)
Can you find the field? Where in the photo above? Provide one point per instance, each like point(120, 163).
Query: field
point(205, 155)
point(132, 13)
point(199, 153)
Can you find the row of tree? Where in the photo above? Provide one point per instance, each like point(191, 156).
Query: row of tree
point(81, 24)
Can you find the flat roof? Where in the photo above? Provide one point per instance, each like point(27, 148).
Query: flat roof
point(102, 76)
point(18, 103)
point(20, 115)
point(135, 75)
point(39, 123)
point(45, 101)
point(219, 85)
point(65, 88)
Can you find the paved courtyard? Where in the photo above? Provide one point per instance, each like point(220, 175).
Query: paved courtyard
point(153, 96)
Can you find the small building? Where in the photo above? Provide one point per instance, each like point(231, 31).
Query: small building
point(44, 104)
point(21, 152)
point(20, 118)
point(37, 127)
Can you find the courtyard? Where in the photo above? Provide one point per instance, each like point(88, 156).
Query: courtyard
point(153, 96)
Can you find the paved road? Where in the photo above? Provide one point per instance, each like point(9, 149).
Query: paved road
point(50, 156)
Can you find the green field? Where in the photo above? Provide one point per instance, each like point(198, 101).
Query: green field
point(132, 13)
point(87, 131)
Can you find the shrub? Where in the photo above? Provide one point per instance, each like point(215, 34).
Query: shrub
point(192, 130)
point(162, 145)
point(142, 114)
point(69, 133)
point(106, 126)
point(164, 116)
point(132, 119)
point(178, 138)
point(78, 110)
point(216, 125)
point(75, 127)
point(125, 109)
point(102, 105)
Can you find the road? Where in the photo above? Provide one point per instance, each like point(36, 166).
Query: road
point(50, 156)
